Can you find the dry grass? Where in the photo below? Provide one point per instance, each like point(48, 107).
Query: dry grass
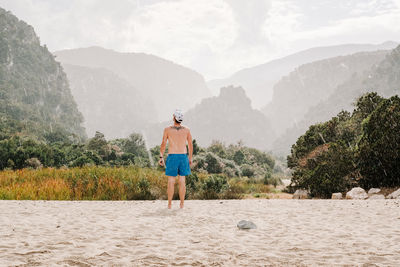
point(110, 183)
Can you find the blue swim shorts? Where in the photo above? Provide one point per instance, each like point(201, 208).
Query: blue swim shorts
point(177, 164)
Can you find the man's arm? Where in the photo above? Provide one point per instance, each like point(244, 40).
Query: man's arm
point(162, 147)
point(190, 146)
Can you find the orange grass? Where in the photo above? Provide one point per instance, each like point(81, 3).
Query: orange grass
point(104, 183)
point(88, 183)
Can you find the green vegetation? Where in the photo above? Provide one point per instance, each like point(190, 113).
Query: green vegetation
point(121, 169)
point(361, 148)
point(35, 98)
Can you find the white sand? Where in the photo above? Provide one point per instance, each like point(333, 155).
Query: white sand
point(145, 233)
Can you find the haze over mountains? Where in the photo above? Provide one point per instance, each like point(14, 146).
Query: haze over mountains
point(109, 103)
point(312, 83)
point(227, 117)
point(168, 85)
point(258, 81)
point(383, 78)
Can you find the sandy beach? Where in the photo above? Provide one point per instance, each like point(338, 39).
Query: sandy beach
point(204, 233)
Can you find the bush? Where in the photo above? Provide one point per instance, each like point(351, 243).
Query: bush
point(273, 180)
point(33, 163)
point(212, 163)
point(248, 170)
point(143, 188)
point(213, 185)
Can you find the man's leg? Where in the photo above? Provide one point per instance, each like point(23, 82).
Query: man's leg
point(182, 189)
point(170, 189)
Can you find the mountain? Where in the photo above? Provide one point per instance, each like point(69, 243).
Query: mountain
point(383, 78)
point(258, 81)
point(228, 117)
point(167, 84)
point(108, 103)
point(312, 83)
point(35, 98)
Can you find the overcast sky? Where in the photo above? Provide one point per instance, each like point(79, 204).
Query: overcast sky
point(214, 37)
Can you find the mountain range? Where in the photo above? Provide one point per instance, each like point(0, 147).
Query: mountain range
point(166, 84)
point(109, 103)
point(258, 81)
point(383, 78)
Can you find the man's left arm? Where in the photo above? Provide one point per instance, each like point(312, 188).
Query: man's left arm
point(190, 147)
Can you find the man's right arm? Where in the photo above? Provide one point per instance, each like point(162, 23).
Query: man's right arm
point(163, 143)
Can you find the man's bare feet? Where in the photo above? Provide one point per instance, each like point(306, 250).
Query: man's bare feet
point(181, 205)
point(169, 206)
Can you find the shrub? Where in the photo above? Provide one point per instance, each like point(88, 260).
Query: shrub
point(212, 163)
point(213, 185)
point(33, 163)
point(248, 170)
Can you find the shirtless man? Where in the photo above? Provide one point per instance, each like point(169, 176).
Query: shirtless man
point(178, 162)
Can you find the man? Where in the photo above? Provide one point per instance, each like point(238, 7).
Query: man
point(178, 162)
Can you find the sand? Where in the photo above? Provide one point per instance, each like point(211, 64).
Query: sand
point(145, 233)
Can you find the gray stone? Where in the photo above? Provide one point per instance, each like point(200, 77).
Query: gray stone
point(356, 193)
point(300, 194)
point(244, 225)
point(337, 196)
point(373, 191)
point(376, 196)
point(394, 195)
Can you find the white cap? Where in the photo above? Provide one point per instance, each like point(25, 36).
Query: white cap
point(178, 115)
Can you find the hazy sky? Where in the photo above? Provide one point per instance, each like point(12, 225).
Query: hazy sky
point(214, 37)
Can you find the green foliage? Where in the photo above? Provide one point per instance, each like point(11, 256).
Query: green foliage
point(212, 164)
point(361, 148)
point(134, 144)
point(379, 147)
point(35, 99)
point(239, 157)
point(248, 170)
point(213, 185)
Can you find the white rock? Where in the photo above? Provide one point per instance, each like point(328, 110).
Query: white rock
point(244, 225)
point(337, 196)
point(356, 193)
point(377, 196)
point(394, 195)
point(373, 191)
point(300, 194)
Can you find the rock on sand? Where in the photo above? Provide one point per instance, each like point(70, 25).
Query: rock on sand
point(394, 195)
point(300, 194)
point(244, 225)
point(356, 193)
point(337, 196)
point(373, 191)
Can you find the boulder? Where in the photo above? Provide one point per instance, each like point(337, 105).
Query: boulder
point(300, 194)
point(373, 191)
point(245, 225)
point(377, 196)
point(337, 196)
point(394, 195)
point(356, 193)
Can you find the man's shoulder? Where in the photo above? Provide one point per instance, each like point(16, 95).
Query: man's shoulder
point(185, 127)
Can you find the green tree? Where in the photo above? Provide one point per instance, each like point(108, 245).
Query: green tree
point(379, 147)
point(98, 144)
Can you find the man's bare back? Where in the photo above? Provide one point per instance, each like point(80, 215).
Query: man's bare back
point(177, 137)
